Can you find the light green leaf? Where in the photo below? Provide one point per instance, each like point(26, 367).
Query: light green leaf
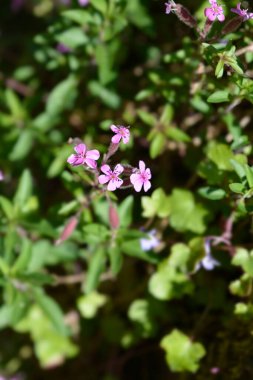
point(72, 37)
point(212, 193)
point(89, 304)
point(62, 96)
point(181, 353)
point(244, 259)
point(219, 97)
point(221, 155)
point(51, 310)
point(96, 268)
point(185, 213)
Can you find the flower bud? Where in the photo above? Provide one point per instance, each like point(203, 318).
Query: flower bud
point(185, 16)
point(232, 25)
point(68, 230)
point(113, 217)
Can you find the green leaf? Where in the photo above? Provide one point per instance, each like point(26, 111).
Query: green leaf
point(95, 233)
point(23, 260)
point(219, 69)
point(14, 104)
point(133, 248)
point(62, 96)
point(24, 189)
point(185, 214)
point(212, 193)
point(89, 304)
point(51, 310)
point(125, 210)
point(80, 16)
point(72, 37)
point(244, 259)
point(177, 134)
point(219, 97)
point(7, 207)
point(140, 313)
point(236, 187)
point(158, 204)
point(105, 64)
point(22, 146)
point(147, 118)
point(199, 104)
point(181, 353)
point(96, 268)
point(100, 5)
point(249, 174)
point(116, 259)
point(239, 169)
point(167, 115)
point(108, 97)
point(221, 155)
point(51, 347)
point(171, 278)
point(157, 145)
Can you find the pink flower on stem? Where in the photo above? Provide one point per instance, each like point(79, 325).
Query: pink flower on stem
point(170, 6)
point(111, 177)
point(84, 156)
point(215, 11)
point(242, 12)
point(141, 177)
point(121, 133)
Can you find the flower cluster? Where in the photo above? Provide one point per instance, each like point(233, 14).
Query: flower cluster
point(214, 12)
point(137, 178)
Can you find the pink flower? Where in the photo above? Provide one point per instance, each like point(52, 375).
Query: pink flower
point(1, 179)
point(121, 133)
point(242, 12)
point(84, 156)
point(141, 178)
point(111, 176)
point(215, 11)
point(168, 7)
point(83, 3)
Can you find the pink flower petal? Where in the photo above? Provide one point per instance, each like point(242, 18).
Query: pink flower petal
point(118, 169)
point(138, 184)
point(106, 169)
point(80, 149)
point(93, 154)
point(126, 136)
point(147, 185)
point(221, 17)
point(75, 160)
point(142, 166)
point(119, 182)
point(148, 173)
point(112, 185)
point(210, 14)
point(114, 128)
point(91, 163)
point(102, 179)
point(116, 139)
